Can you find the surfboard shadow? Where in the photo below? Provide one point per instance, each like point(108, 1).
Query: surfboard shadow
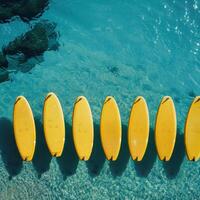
point(68, 162)
point(172, 167)
point(42, 158)
point(97, 159)
point(117, 167)
point(143, 167)
point(9, 152)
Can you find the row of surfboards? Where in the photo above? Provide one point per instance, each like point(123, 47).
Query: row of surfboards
point(110, 128)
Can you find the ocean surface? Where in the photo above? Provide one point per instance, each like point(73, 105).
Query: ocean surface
point(119, 48)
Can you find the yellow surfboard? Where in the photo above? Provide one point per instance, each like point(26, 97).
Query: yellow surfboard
point(83, 130)
point(24, 128)
point(165, 128)
point(110, 128)
point(54, 125)
point(138, 129)
point(192, 131)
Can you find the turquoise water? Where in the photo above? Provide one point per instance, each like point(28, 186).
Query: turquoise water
point(119, 48)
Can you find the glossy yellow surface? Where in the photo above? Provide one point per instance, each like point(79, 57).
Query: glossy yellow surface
point(24, 128)
point(138, 129)
point(192, 131)
point(165, 128)
point(83, 130)
point(110, 128)
point(54, 125)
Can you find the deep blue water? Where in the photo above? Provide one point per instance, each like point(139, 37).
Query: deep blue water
point(119, 48)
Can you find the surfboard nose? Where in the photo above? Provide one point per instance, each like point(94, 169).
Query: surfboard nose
point(49, 95)
point(108, 98)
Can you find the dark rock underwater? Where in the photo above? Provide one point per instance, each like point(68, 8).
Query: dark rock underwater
point(25, 9)
point(26, 50)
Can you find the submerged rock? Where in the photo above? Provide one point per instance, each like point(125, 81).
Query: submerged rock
point(27, 50)
point(25, 9)
point(35, 42)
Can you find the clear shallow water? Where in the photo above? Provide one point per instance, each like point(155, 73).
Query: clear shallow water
point(114, 48)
